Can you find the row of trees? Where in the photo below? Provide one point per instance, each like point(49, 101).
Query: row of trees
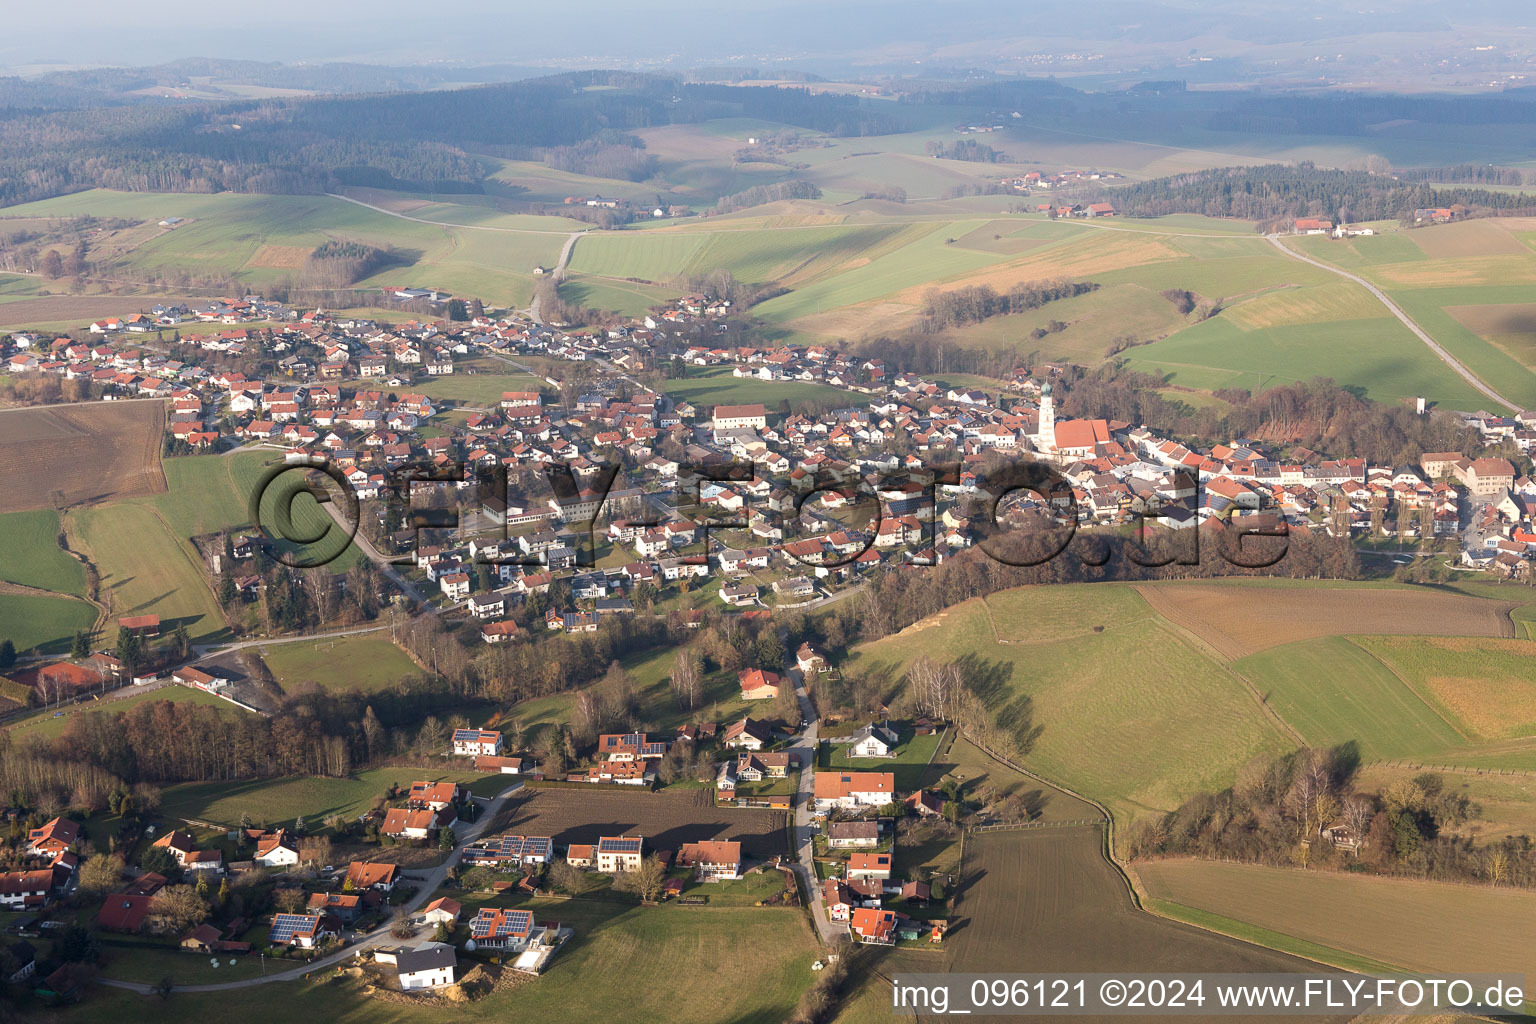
point(975, 303)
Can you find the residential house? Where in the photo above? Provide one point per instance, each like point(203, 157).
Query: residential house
point(372, 875)
point(854, 790)
point(747, 734)
point(619, 853)
point(711, 861)
point(429, 965)
point(873, 740)
point(874, 866)
point(846, 835)
point(756, 684)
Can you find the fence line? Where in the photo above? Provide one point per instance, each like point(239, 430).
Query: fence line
point(1016, 826)
point(1458, 769)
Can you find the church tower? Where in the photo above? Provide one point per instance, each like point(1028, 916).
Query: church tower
point(1045, 437)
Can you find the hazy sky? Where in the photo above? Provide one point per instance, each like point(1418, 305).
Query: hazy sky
point(642, 31)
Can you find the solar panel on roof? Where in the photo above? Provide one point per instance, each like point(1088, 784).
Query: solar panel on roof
point(286, 926)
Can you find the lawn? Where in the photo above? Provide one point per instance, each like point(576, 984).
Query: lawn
point(1476, 928)
point(909, 762)
point(45, 625)
point(1131, 715)
point(144, 569)
point(1332, 691)
point(31, 554)
point(367, 662)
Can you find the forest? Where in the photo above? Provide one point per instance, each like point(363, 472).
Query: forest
point(1276, 811)
point(1278, 192)
point(415, 141)
point(972, 305)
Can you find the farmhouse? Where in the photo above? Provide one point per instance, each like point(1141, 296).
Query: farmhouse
point(619, 853)
point(711, 861)
point(405, 823)
point(853, 790)
point(924, 804)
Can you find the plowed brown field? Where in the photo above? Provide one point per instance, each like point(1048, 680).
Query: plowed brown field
point(1239, 620)
point(93, 453)
point(666, 820)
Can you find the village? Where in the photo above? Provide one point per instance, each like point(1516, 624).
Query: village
point(611, 499)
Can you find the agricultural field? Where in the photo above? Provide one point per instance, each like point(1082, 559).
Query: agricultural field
point(1477, 928)
point(1243, 669)
point(1507, 801)
point(1048, 899)
point(80, 454)
point(366, 662)
point(1236, 620)
point(144, 569)
point(42, 624)
point(256, 240)
point(1332, 691)
point(281, 800)
point(1092, 715)
point(1487, 687)
point(667, 818)
point(31, 555)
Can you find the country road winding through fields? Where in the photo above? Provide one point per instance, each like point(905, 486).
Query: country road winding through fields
point(1381, 296)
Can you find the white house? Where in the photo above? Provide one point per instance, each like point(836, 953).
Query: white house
point(429, 965)
point(873, 741)
point(477, 742)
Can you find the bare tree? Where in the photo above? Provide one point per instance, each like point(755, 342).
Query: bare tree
point(687, 678)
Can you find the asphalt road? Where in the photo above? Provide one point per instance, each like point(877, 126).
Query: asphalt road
point(1381, 296)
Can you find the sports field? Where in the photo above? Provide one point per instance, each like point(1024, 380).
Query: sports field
point(365, 662)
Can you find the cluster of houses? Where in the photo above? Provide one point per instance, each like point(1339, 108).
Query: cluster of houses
point(635, 459)
point(1035, 181)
